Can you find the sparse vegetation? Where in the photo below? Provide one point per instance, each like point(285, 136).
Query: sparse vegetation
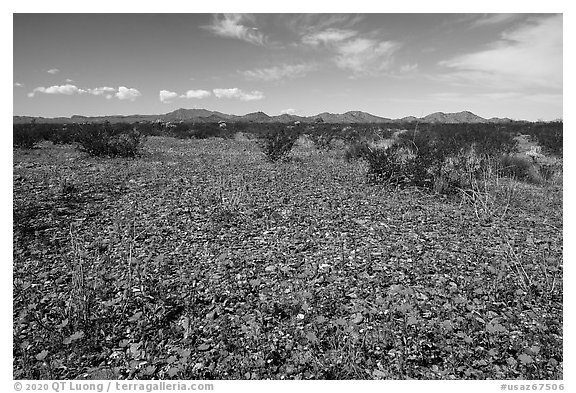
point(110, 141)
point(200, 260)
point(548, 136)
point(356, 150)
point(26, 136)
point(277, 142)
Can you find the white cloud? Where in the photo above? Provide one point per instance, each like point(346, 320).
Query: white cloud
point(328, 36)
point(69, 80)
point(408, 68)
point(288, 111)
point(18, 84)
point(365, 56)
point(98, 91)
point(196, 94)
point(67, 89)
point(287, 71)
point(167, 96)
point(528, 56)
point(122, 93)
point(234, 26)
point(53, 71)
point(125, 93)
point(299, 23)
point(238, 94)
point(494, 19)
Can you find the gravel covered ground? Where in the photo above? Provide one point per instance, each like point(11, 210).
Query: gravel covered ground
point(202, 260)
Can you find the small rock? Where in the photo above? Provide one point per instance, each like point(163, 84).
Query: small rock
point(358, 318)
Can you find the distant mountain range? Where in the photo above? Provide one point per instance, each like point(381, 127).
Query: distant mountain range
point(206, 116)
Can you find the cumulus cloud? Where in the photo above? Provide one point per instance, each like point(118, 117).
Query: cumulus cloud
point(235, 26)
point(527, 56)
point(98, 91)
point(125, 93)
point(18, 84)
point(238, 94)
point(288, 111)
point(196, 94)
point(122, 93)
point(279, 72)
point(167, 96)
point(66, 89)
point(53, 71)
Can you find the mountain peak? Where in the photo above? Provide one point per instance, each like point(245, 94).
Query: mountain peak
point(456, 117)
point(207, 116)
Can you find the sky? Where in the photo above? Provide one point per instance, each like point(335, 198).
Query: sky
point(390, 65)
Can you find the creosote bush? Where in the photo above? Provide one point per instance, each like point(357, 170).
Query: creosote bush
point(386, 165)
point(277, 143)
point(200, 131)
point(516, 167)
point(322, 141)
point(107, 140)
point(26, 136)
point(357, 150)
point(63, 135)
point(434, 159)
point(548, 135)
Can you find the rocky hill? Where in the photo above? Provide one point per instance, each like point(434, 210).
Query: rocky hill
point(207, 116)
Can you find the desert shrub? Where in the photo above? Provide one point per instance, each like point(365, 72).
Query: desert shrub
point(548, 135)
point(27, 136)
point(356, 150)
point(487, 139)
point(151, 128)
point(119, 140)
point(63, 135)
point(209, 130)
point(387, 165)
point(516, 167)
point(428, 155)
point(531, 171)
point(180, 131)
point(407, 162)
point(200, 131)
point(462, 170)
point(244, 136)
point(378, 134)
point(550, 172)
point(350, 135)
point(439, 162)
point(482, 187)
point(436, 147)
point(322, 141)
point(277, 143)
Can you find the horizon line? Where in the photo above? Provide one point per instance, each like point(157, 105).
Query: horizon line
point(280, 114)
